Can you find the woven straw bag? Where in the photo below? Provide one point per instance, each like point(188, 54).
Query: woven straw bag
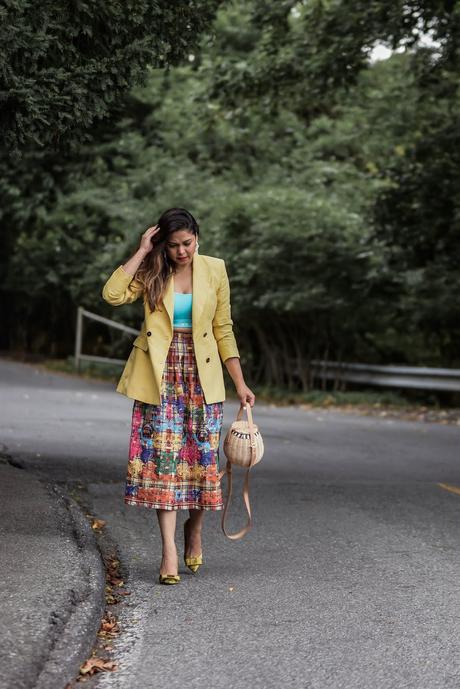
point(243, 445)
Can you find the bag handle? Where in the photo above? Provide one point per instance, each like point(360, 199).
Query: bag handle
point(228, 471)
point(247, 408)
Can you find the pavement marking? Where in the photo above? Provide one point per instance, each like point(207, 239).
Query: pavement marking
point(451, 489)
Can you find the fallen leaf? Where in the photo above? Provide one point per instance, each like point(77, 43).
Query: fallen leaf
point(93, 665)
point(109, 625)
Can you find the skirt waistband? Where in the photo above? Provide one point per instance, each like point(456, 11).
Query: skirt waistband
point(180, 334)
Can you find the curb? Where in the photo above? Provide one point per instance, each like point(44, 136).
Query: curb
point(74, 629)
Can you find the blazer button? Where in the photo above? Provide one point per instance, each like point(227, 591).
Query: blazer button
point(208, 360)
point(148, 333)
point(204, 334)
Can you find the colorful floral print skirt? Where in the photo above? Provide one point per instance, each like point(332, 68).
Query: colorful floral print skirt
point(174, 447)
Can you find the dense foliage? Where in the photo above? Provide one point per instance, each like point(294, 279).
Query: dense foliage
point(64, 64)
point(326, 181)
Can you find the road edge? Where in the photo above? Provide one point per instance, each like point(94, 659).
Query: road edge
point(74, 632)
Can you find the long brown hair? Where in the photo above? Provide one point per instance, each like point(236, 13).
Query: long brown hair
point(156, 269)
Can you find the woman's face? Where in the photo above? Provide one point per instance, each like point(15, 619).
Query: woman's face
point(180, 247)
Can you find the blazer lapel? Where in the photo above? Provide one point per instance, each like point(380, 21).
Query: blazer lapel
point(199, 287)
point(168, 298)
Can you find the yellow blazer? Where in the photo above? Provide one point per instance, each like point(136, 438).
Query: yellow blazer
point(212, 330)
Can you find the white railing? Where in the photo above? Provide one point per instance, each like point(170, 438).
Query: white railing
point(83, 313)
point(370, 374)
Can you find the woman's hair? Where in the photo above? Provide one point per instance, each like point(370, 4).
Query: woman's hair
point(155, 269)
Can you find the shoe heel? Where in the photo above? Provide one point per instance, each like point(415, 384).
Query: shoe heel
point(195, 562)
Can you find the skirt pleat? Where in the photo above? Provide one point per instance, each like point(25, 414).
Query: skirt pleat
point(174, 446)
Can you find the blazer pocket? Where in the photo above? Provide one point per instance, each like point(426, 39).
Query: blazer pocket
point(141, 342)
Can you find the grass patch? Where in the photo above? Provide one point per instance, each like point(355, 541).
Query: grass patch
point(371, 399)
point(88, 369)
point(319, 398)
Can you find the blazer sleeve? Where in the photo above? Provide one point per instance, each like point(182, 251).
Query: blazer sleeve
point(121, 288)
point(222, 324)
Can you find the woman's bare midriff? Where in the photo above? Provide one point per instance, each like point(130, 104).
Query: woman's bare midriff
point(182, 330)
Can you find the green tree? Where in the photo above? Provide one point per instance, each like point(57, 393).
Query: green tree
point(64, 65)
point(315, 211)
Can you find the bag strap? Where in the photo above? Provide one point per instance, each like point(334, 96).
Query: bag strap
point(228, 471)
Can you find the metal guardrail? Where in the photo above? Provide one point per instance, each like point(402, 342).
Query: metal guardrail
point(83, 313)
point(371, 374)
point(390, 376)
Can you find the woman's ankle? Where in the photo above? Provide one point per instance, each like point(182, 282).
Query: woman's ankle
point(169, 551)
point(169, 563)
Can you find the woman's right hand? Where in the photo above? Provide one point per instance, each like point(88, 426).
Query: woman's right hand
point(146, 244)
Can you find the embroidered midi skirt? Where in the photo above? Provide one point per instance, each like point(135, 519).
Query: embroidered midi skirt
point(174, 446)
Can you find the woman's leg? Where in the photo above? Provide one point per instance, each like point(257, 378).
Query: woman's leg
point(193, 526)
point(167, 522)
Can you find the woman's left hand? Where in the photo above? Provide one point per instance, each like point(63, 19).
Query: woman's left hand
point(245, 395)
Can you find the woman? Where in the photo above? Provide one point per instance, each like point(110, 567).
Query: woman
point(174, 374)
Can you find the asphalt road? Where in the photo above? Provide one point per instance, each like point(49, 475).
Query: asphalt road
point(349, 578)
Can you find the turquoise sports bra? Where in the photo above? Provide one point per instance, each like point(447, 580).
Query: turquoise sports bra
point(182, 310)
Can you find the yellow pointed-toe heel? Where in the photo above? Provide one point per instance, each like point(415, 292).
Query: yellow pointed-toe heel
point(192, 562)
point(169, 578)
